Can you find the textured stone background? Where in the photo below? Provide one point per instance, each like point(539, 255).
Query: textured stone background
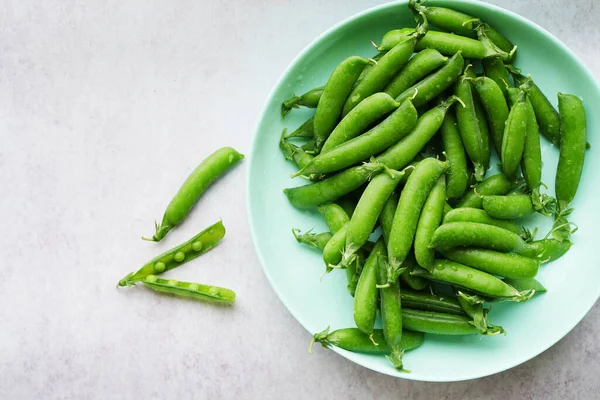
point(102, 106)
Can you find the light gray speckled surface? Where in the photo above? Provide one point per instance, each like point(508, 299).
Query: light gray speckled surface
point(102, 106)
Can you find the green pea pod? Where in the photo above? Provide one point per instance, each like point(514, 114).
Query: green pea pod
point(430, 302)
point(457, 175)
point(479, 316)
point(495, 107)
point(306, 130)
point(438, 323)
point(334, 215)
point(406, 218)
point(188, 289)
point(385, 69)
point(332, 253)
point(526, 284)
point(309, 99)
point(513, 140)
point(472, 234)
point(417, 68)
point(315, 240)
point(572, 148)
point(508, 207)
point(336, 91)
point(429, 220)
point(366, 295)
point(365, 114)
point(194, 186)
point(435, 84)
point(294, 153)
point(472, 279)
point(495, 69)
point(352, 339)
point(185, 252)
point(495, 184)
point(386, 217)
point(507, 265)
point(546, 250)
point(466, 214)
point(406, 279)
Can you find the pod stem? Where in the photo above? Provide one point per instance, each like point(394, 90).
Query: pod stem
point(161, 232)
point(396, 359)
point(487, 42)
point(289, 104)
point(126, 281)
point(523, 296)
point(321, 338)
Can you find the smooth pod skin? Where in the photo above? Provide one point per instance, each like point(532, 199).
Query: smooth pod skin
point(368, 210)
point(475, 140)
point(383, 72)
point(447, 44)
point(406, 218)
point(466, 214)
point(194, 186)
point(188, 289)
point(545, 114)
point(430, 219)
point(546, 250)
point(334, 215)
point(495, 106)
point(309, 99)
point(447, 208)
point(438, 323)
point(352, 339)
point(390, 309)
point(293, 153)
point(526, 284)
point(388, 132)
point(457, 175)
point(572, 148)
point(513, 140)
point(472, 234)
point(417, 68)
point(512, 206)
point(435, 84)
point(364, 115)
point(495, 184)
point(507, 265)
point(367, 294)
point(430, 302)
point(332, 253)
point(191, 249)
point(336, 91)
point(494, 69)
point(315, 240)
point(306, 130)
point(386, 217)
point(531, 165)
point(470, 278)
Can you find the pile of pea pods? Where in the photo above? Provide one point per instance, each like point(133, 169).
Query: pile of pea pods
point(402, 141)
point(211, 168)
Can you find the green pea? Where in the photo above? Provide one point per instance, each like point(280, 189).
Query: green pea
point(457, 176)
point(194, 186)
point(466, 214)
point(508, 207)
point(437, 323)
point(507, 265)
point(352, 339)
point(471, 234)
point(417, 68)
point(430, 302)
point(336, 91)
point(470, 278)
point(309, 99)
point(430, 219)
point(572, 148)
point(188, 289)
point(197, 245)
point(209, 237)
point(366, 295)
point(314, 240)
point(179, 256)
point(494, 104)
point(364, 115)
point(406, 218)
point(495, 184)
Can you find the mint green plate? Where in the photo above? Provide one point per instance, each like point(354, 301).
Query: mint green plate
point(294, 271)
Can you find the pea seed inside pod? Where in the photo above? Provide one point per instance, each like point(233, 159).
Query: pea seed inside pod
point(151, 278)
point(179, 256)
point(194, 286)
point(159, 267)
point(197, 246)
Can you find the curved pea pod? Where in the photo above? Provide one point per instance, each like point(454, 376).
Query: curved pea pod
point(429, 220)
point(474, 138)
point(396, 126)
point(309, 99)
point(438, 323)
point(385, 69)
point(417, 68)
point(512, 206)
point(315, 240)
point(466, 214)
point(306, 130)
point(188, 289)
point(430, 302)
point(507, 265)
point(365, 114)
point(185, 252)
point(457, 175)
point(406, 218)
point(334, 215)
point(194, 186)
point(336, 91)
point(572, 148)
point(495, 69)
point(352, 339)
point(495, 106)
point(434, 84)
point(472, 234)
point(367, 294)
point(332, 253)
point(546, 250)
point(479, 316)
point(527, 284)
point(472, 279)
point(494, 185)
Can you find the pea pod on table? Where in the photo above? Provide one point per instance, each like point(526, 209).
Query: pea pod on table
point(185, 252)
point(194, 186)
point(309, 99)
point(189, 289)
